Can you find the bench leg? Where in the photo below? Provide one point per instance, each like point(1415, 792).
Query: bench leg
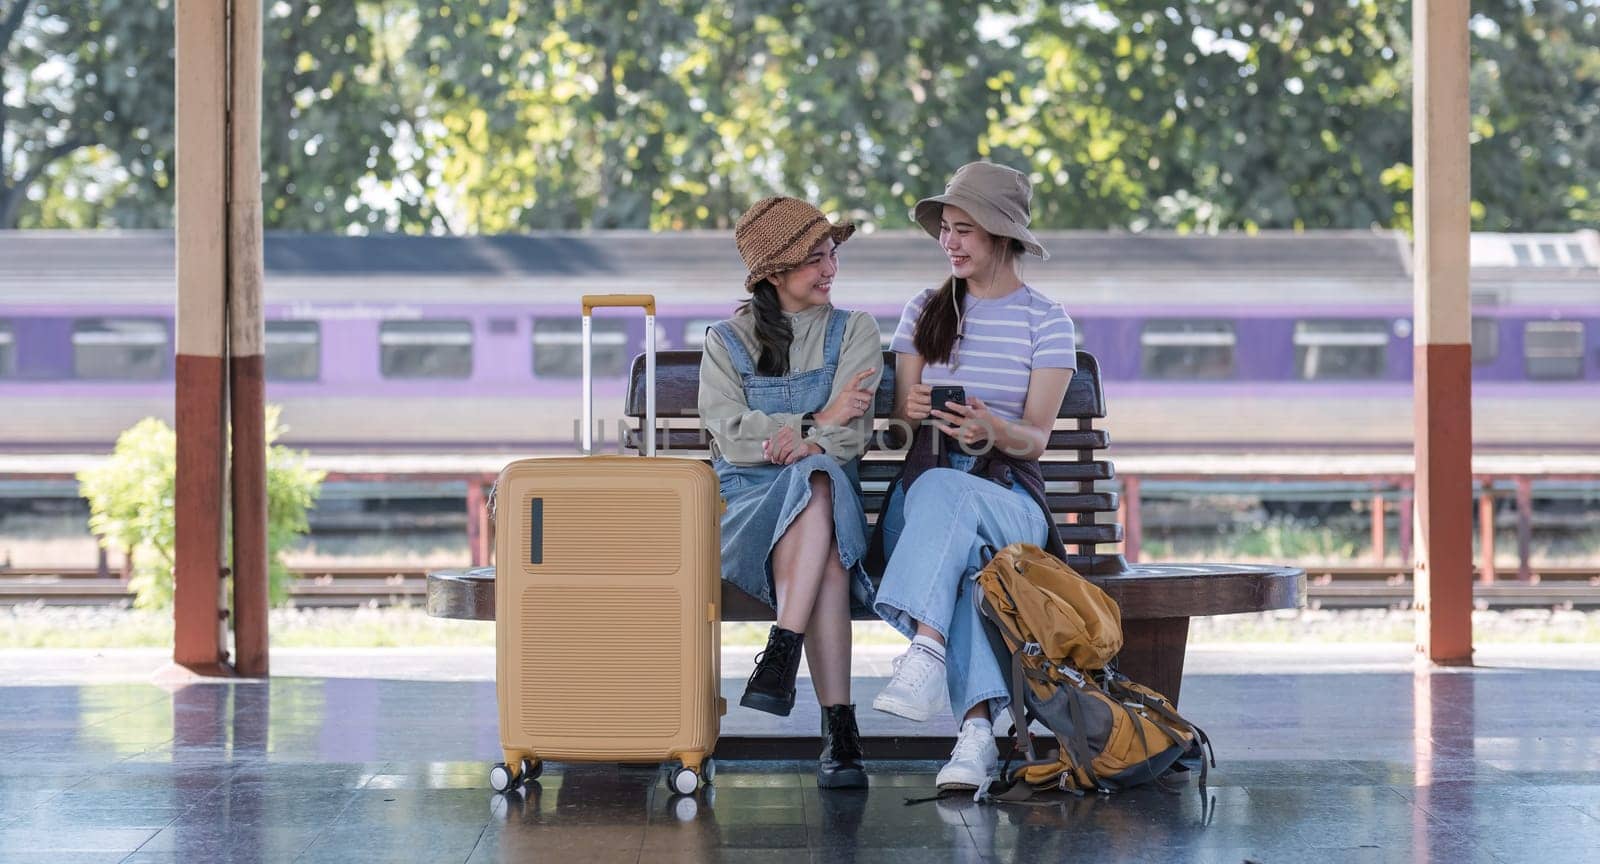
point(1152, 653)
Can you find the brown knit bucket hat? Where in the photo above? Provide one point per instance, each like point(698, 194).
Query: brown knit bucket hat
point(777, 233)
point(996, 196)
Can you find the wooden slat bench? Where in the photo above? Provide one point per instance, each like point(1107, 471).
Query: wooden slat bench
point(1157, 600)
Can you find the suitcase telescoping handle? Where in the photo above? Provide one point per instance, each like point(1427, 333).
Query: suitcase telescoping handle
point(590, 303)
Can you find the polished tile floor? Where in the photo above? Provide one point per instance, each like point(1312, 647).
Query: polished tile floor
point(1370, 763)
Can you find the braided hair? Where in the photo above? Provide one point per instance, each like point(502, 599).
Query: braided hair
point(773, 333)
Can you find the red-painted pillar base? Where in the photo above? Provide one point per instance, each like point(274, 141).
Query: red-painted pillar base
point(1444, 502)
point(251, 594)
point(197, 575)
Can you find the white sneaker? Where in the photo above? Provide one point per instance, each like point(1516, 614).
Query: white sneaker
point(973, 761)
point(916, 692)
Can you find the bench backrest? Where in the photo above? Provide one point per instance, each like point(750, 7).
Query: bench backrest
point(1071, 467)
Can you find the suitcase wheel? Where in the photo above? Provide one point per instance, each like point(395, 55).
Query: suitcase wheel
point(684, 781)
point(501, 778)
point(531, 770)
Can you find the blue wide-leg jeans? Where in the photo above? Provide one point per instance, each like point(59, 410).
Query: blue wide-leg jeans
point(934, 539)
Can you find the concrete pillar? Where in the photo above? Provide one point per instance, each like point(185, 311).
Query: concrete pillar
point(246, 346)
point(220, 336)
point(1443, 339)
point(201, 397)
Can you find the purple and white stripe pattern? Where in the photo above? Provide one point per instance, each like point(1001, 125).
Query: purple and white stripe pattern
point(1003, 340)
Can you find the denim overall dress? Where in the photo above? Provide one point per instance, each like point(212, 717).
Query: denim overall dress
point(764, 499)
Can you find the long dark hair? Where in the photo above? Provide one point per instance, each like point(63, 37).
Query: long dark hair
point(936, 325)
point(773, 333)
point(936, 335)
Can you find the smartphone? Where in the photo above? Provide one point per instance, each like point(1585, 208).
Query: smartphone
point(943, 393)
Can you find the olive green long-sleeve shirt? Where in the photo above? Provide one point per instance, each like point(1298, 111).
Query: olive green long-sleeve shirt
point(737, 432)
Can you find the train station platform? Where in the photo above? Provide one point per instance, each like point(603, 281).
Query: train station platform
point(1326, 753)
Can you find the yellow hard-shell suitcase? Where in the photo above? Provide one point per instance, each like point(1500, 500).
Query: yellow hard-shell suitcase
point(607, 603)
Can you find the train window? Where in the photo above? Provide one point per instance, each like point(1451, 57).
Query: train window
point(440, 348)
point(558, 348)
point(294, 350)
point(1341, 349)
point(1553, 350)
point(1187, 349)
point(1485, 340)
point(8, 354)
point(130, 349)
point(694, 332)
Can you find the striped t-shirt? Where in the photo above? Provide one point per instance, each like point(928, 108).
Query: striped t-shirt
point(1004, 339)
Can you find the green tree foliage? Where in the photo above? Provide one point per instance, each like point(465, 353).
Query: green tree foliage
point(131, 499)
point(85, 112)
point(1211, 114)
point(1536, 115)
point(860, 107)
point(678, 114)
point(328, 121)
point(482, 116)
point(87, 123)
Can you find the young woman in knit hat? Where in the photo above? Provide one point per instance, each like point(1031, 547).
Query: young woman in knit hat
point(786, 389)
point(972, 476)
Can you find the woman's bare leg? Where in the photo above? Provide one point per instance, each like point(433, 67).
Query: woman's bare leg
point(828, 634)
point(801, 555)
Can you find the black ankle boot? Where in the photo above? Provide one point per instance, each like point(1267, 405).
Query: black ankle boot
point(840, 766)
point(771, 686)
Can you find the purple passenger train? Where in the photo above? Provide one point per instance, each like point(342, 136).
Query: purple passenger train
point(1273, 341)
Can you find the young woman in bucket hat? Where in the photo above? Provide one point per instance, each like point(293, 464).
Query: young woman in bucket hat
point(972, 476)
point(786, 389)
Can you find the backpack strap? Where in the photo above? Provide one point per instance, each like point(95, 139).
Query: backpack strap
point(1207, 753)
point(1077, 746)
point(991, 629)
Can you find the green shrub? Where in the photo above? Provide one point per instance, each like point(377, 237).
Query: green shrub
point(131, 505)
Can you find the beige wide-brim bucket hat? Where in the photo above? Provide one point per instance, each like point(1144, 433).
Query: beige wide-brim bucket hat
point(778, 233)
point(996, 196)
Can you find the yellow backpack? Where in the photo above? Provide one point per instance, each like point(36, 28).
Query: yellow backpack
point(1058, 634)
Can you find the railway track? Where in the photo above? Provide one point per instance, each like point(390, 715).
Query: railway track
point(323, 587)
point(1346, 587)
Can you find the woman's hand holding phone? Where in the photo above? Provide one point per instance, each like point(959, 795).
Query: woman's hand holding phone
point(970, 424)
point(919, 402)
